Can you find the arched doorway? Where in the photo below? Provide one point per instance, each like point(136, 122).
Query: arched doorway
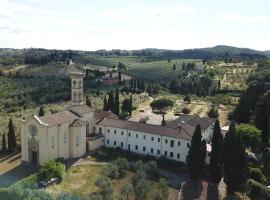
point(33, 150)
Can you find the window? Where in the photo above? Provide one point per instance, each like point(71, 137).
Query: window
point(108, 141)
point(188, 145)
point(94, 129)
point(128, 146)
point(137, 135)
point(114, 143)
point(114, 131)
point(129, 134)
point(172, 143)
point(77, 141)
point(165, 153)
point(179, 143)
point(166, 141)
point(122, 133)
point(108, 130)
point(171, 154)
point(158, 139)
point(178, 156)
point(143, 148)
point(152, 150)
point(152, 138)
point(122, 144)
point(65, 138)
point(136, 147)
point(144, 137)
point(158, 151)
point(100, 130)
point(52, 141)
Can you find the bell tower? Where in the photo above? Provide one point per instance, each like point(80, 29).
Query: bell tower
point(76, 88)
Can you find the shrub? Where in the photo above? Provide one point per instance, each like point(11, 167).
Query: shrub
point(213, 113)
point(163, 190)
point(152, 169)
point(122, 164)
point(185, 110)
point(51, 169)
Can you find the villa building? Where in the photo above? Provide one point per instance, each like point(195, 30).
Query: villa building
point(79, 129)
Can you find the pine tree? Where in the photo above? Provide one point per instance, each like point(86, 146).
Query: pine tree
point(4, 145)
point(216, 155)
point(111, 102)
point(130, 105)
point(234, 160)
point(194, 157)
point(12, 143)
point(116, 106)
point(105, 104)
point(41, 111)
point(88, 102)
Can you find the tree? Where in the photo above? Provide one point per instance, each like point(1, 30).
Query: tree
point(88, 102)
point(127, 190)
point(12, 143)
point(216, 155)
point(41, 112)
point(194, 157)
point(105, 185)
point(162, 105)
point(4, 145)
point(187, 98)
point(174, 66)
point(105, 104)
point(250, 134)
point(213, 113)
point(130, 105)
point(234, 161)
point(119, 77)
point(163, 190)
point(111, 104)
point(116, 106)
point(141, 188)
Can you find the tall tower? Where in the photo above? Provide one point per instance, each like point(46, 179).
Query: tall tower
point(76, 88)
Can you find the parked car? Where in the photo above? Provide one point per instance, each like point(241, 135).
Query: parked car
point(45, 184)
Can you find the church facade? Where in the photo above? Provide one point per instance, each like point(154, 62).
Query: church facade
point(79, 129)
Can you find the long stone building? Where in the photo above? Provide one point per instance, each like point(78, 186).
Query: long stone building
point(79, 129)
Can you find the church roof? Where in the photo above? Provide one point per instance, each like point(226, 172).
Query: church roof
point(58, 118)
point(185, 132)
point(80, 110)
point(101, 114)
point(77, 123)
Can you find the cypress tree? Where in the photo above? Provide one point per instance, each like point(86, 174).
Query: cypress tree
point(88, 102)
point(234, 160)
point(116, 106)
point(41, 111)
point(111, 104)
point(194, 157)
point(4, 145)
point(216, 155)
point(130, 105)
point(105, 103)
point(12, 143)
point(119, 77)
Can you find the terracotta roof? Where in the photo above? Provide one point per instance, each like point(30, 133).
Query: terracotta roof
point(80, 110)
point(58, 118)
point(77, 123)
point(193, 120)
point(180, 132)
point(101, 114)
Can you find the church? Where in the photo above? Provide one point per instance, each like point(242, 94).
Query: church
point(81, 129)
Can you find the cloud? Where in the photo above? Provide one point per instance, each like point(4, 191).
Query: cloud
point(10, 29)
point(97, 31)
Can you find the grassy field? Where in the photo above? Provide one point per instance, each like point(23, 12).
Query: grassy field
point(87, 176)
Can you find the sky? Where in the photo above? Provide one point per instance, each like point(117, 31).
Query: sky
point(134, 24)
